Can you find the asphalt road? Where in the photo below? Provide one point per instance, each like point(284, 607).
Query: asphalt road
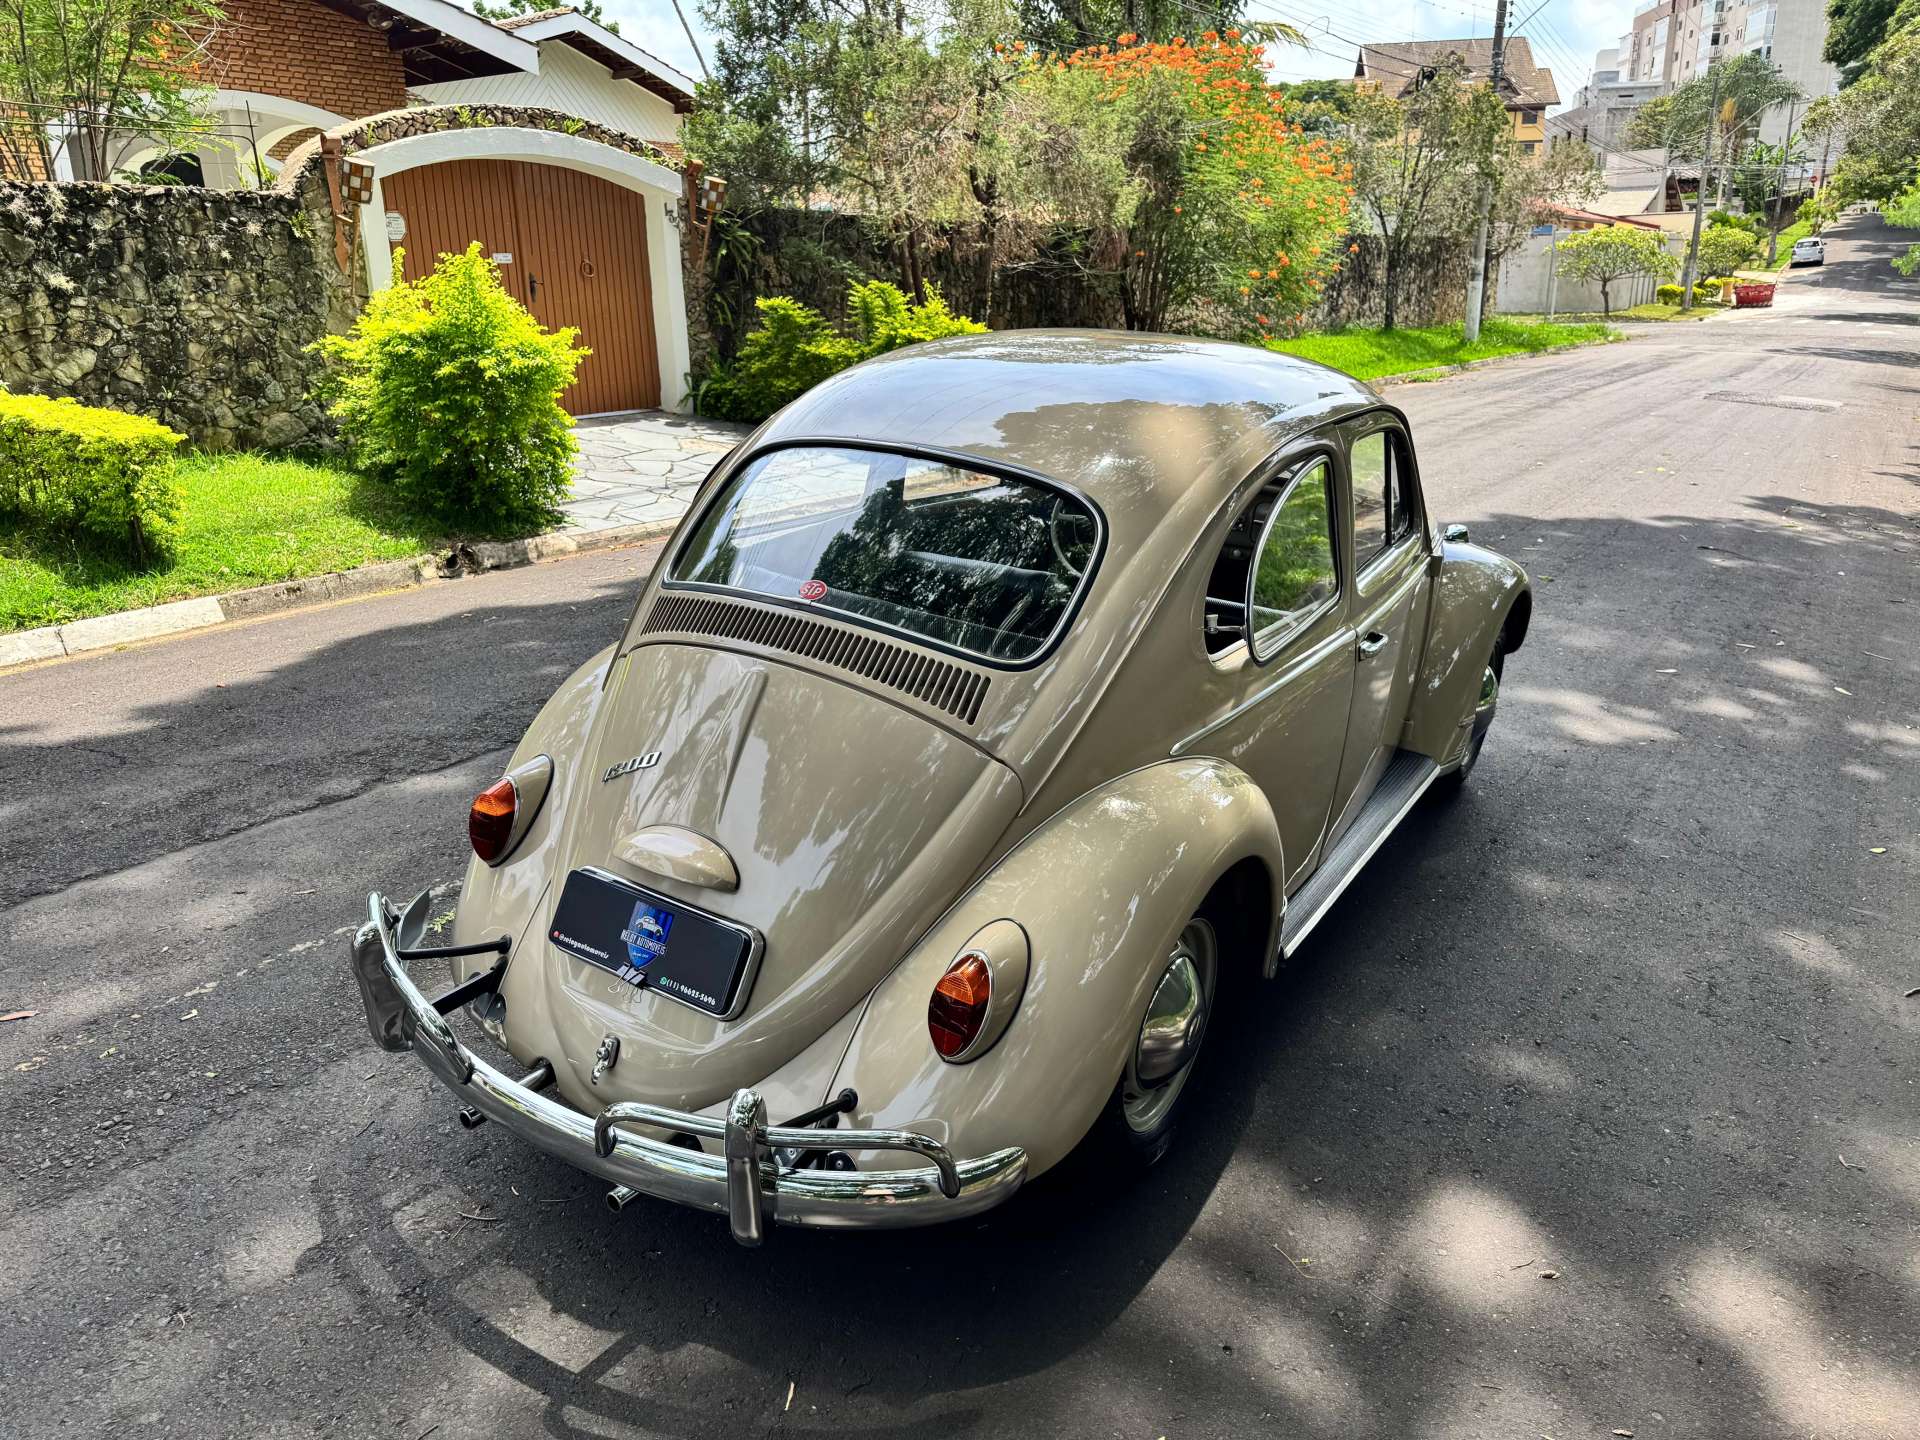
point(1592, 1109)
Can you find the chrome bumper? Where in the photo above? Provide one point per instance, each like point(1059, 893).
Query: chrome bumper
point(745, 1182)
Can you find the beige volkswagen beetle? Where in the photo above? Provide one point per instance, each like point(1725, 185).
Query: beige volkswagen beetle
point(997, 702)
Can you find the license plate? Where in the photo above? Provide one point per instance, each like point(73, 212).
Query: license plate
point(656, 943)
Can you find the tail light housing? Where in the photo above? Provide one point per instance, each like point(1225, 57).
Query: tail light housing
point(958, 1008)
point(490, 820)
point(975, 997)
point(501, 814)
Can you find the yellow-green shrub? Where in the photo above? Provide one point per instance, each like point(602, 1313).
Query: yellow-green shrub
point(796, 347)
point(98, 473)
point(450, 391)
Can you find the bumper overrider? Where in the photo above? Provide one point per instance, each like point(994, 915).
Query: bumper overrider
point(747, 1181)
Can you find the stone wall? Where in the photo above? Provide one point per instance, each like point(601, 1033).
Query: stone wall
point(197, 306)
point(192, 306)
point(1432, 285)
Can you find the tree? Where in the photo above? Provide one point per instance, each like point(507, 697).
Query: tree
point(1724, 248)
point(1903, 213)
point(1880, 116)
point(1320, 107)
point(1681, 122)
point(1855, 29)
point(772, 117)
point(1759, 184)
point(1181, 163)
point(507, 9)
point(1565, 174)
point(110, 76)
point(1417, 160)
point(1615, 252)
point(1066, 25)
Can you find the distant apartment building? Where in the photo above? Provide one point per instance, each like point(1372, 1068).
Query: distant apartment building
point(1672, 41)
point(1603, 106)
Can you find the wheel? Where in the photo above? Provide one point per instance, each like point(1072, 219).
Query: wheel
point(1137, 1127)
point(1483, 711)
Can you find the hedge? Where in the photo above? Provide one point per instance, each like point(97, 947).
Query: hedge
point(796, 347)
point(1707, 292)
point(97, 473)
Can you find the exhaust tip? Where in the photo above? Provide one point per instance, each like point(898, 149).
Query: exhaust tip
point(621, 1196)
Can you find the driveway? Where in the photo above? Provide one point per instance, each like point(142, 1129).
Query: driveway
point(1591, 1109)
point(642, 468)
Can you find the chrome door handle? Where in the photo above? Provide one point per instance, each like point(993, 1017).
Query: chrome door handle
point(1372, 643)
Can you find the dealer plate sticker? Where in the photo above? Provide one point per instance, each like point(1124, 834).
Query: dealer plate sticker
point(651, 941)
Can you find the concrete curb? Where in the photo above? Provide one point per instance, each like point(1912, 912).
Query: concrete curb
point(104, 632)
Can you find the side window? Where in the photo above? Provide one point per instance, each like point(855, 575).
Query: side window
point(1384, 512)
point(1367, 463)
point(1294, 573)
point(1403, 507)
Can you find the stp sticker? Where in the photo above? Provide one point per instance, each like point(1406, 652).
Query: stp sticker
point(813, 590)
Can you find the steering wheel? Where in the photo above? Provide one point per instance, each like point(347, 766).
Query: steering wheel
point(1071, 532)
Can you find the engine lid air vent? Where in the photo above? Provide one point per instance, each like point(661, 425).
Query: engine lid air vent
point(941, 684)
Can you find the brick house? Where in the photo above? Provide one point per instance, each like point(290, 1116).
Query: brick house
point(585, 234)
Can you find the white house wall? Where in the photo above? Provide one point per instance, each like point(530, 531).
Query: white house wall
point(571, 82)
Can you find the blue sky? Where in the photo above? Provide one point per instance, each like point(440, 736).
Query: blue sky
point(1564, 33)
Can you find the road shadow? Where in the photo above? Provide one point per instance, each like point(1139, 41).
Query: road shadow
point(1591, 1103)
point(1530, 1135)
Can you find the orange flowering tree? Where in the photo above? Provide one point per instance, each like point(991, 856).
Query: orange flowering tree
point(1179, 162)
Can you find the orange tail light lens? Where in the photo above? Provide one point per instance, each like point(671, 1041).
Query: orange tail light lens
point(959, 1005)
point(490, 821)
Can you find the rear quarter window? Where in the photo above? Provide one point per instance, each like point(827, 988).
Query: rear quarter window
point(988, 564)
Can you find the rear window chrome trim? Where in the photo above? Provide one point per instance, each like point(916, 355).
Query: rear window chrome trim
point(742, 458)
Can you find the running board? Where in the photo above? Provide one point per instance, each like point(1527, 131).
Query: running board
point(1406, 779)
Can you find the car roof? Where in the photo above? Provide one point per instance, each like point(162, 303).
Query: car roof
point(1147, 426)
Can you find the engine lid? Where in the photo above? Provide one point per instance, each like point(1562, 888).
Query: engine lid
point(851, 823)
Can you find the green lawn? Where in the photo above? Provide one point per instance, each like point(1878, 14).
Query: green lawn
point(1368, 354)
point(1657, 310)
point(245, 520)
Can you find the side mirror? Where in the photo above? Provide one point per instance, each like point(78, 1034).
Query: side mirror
point(1455, 535)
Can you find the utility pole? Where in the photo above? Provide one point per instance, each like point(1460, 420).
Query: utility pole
point(1779, 190)
point(1688, 274)
point(705, 73)
point(1477, 273)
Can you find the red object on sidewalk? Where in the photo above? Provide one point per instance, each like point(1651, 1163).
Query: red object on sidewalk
point(1758, 293)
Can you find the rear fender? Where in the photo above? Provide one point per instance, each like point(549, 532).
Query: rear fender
point(1101, 890)
point(501, 899)
point(1476, 597)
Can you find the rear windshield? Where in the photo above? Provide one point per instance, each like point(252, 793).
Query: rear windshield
point(981, 563)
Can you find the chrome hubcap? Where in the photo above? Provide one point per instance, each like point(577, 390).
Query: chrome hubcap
point(1174, 1018)
point(1489, 690)
point(1172, 1028)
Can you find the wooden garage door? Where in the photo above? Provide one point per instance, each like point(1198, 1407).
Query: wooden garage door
point(578, 256)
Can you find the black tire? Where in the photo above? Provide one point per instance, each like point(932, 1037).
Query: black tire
point(1456, 781)
point(1137, 1126)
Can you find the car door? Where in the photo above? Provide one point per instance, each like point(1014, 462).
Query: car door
point(1291, 655)
point(1388, 587)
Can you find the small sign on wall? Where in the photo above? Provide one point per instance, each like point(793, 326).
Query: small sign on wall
point(503, 257)
point(396, 227)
